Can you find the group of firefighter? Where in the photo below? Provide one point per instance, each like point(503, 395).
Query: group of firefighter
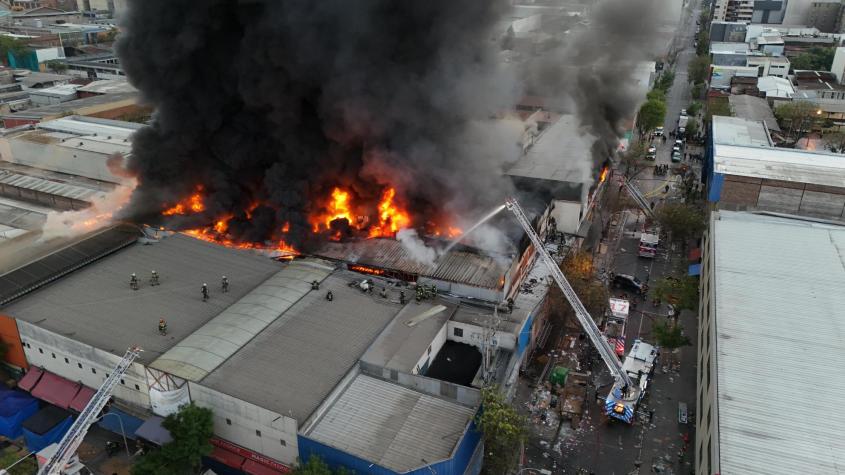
point(423, 292)
point(154, 281)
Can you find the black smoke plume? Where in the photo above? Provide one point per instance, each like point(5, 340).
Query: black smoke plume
point(591, 72)
point(276, 102)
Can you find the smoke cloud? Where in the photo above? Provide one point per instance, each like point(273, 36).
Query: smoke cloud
point(590, 73)
point(277, 102)
point(415, 246)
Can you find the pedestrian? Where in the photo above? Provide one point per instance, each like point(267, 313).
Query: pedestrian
point(224, 284)
point(650, 415)
point(133, 282)
point(204, 292)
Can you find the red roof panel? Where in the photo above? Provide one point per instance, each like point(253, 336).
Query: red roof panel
point(30, 379)
point(225, 457)
point(82, 397)
point(255, 468)
point(56, 390)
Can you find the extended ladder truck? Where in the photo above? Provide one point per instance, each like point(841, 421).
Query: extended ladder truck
point(62, 461)
point(624, 396)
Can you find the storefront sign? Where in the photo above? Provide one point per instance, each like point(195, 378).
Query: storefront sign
point(249, 454)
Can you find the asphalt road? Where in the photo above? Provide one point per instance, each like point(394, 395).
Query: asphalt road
point(653, 442)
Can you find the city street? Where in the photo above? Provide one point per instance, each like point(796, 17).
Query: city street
point(655, 440)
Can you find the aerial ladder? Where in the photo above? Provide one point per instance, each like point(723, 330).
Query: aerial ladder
point(73, 438)
point(638, 197)
point(587, 323)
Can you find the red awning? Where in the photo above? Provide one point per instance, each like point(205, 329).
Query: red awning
point(695, 254)
point(30, 378)
point(82, 397)
point(255, 468)
point(228, 458)
point(56, 390)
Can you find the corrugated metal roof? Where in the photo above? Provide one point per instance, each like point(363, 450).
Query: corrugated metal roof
point(392, 426)
point(780, 164)
point(740, 131)
point(755, 109)
point(457, 266)
point(50, 187)
point(207, 348)
point(780, 342)
point(298, 359)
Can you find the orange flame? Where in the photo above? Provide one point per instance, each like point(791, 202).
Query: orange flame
point(211, 235)
point(338, 208)
point(603, 176)
point(391, 218)
point(193, 204)
point(286, 227)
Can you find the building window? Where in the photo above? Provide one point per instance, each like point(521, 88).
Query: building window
point(80, 365)
point(54, 355)
point(41, 351)
point(459, 332)
point(138, 388)
point(282, 441)
point(67, 361)
point(258, 432)
point(122, 382)
point(228, 422)
point(93, 370)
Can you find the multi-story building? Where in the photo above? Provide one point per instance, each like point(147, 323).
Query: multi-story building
point(733, 10)
point(770, 345)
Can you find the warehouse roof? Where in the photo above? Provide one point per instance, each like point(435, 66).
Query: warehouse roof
point(77, 105)
point(207, 348)
point(780, 164)
point(406, 339)
point(753, 108)
point(301, 356)
point(108, 86)
point(739, 131)
point(395, 427)
point(780, 342)
point(479, 270)
point(97, 307)
point(558, 154)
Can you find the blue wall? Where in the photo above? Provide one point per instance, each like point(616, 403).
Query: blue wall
point(525, 335)
point(130, 423)
point(335, 458)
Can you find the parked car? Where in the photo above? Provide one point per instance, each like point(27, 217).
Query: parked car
point(629, 283)
point(676, 156)
point(658, 132)
point(651, 154)
point(683, 112)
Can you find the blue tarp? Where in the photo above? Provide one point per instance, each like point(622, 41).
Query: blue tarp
point(45, 427)
point(15, 407)
point(111, 422)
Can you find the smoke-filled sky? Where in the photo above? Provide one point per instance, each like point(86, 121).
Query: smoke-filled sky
point(277, 102)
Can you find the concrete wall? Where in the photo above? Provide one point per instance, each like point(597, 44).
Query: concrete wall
point(567, 216)
point(77, 361)
point(461, 394)
point(474, 335)
point(60, 159)
point(432, 350)
point(707, 429)
point(241, 423)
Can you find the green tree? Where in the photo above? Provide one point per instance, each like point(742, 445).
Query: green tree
point(682, 221)
point(697, 90)
point(796, 117)
point(11, 45)
point(504, 431)
point(815, 59)
point(835, 142)
point(692, 128)
point(665, 81)
point(699, 69)
point(191, 429)
point(316, 466)
point(651, 115)
point(703, 47)
point(656, 95)
point(633, 161)
point(694, 108)
point(669, 335)
point(56, 66)
point(682, 293)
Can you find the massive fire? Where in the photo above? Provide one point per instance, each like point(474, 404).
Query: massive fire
point(193, 204)
point(603, 175)
point(337, 208)
point(391, 218)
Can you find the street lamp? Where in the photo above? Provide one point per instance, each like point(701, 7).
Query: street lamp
point(122, 432)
